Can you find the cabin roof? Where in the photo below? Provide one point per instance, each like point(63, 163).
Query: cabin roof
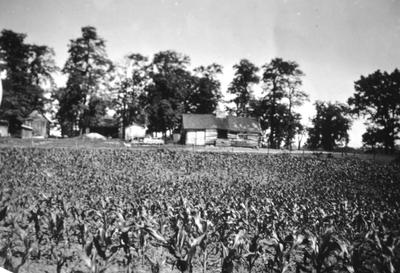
point(37, 115)
point(199, 121)
point(243, 124)
point(26, 127)
point(229, 123)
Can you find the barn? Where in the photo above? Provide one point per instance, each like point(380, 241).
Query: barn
point(3, 128)
point(207, 129)
point(39, 124)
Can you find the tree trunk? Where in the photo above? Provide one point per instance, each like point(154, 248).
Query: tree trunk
point(272, 119)
point(289, 136)
point(299, 145)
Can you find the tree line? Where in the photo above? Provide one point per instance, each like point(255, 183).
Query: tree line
point(156, 91)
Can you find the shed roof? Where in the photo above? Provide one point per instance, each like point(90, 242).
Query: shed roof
point(26, 127)
point(137, 125)
point(37, 115)
point(243, 124)
point(199, 121)
point(230, 123)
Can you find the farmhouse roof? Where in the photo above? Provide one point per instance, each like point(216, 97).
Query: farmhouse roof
point(230, 123)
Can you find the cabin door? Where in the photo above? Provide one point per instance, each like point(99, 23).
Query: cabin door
point(196, 138)
point(200, 138)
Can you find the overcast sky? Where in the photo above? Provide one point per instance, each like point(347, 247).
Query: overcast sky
point(334, 42)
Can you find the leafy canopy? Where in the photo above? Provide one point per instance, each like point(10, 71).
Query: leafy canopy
point(29, 70)
point(245, 76)
point(330, 126)
point(88, 69)
point(377, 97)
point(282, 92)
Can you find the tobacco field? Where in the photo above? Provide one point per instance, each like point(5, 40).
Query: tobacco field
point(121, 210)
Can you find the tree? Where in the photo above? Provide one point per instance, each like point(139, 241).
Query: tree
point(171, 84)
point(245, 76)
point(282, 79)
point(131, 86)
point(287, 124)
point(69, 109)
point(97, 110)
point(28, 68)
point(296, 97)
point(88, 69)
point(206, 94)
point(330, 126)
point(1, 85)
point(377, 97)
point(373, 137)
point(41, 65)
point(300, 132)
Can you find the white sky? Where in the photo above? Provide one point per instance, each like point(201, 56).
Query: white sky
point(334, 41)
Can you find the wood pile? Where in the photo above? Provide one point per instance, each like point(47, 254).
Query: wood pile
point(245, 143)
point(211, 137)
point(222, 142)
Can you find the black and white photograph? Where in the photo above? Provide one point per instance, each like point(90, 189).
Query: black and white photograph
point(199, 136)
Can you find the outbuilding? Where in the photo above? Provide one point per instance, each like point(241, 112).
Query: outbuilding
point(207, 129)
point(39, 123)
point(200, 129)
point(135, 131)
point(243, 131)
point(3, 128)
point(26, 131)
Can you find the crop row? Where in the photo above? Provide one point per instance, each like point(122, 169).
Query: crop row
point(66, 210)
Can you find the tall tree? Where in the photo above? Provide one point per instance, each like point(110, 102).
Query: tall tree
point(131, 86)
point(330, 126)
point(377, 97)
point(206, 93)
point(168, 92)
point(282, 79)
point(287, 123)
point(295, 97)
point(41, 65)
point(27, 67)
point(245, 76)
point(69, 109)
point(1, 85)
point(373, 137)
point(88, 69)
